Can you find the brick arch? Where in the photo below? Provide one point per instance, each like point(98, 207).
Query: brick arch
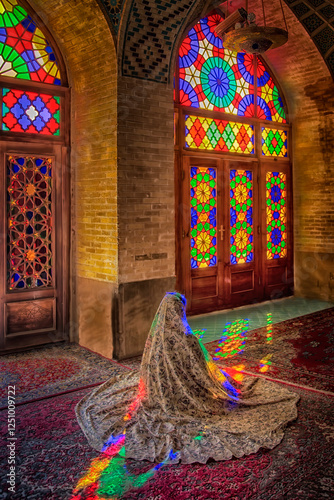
point(84, 38)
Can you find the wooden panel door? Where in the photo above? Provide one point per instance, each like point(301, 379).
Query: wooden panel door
point(35, 248)
point(277, 233)
point(201, 247)
point(220, 233)
point(242, 242)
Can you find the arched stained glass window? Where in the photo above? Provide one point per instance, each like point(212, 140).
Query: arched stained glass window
point(24, 51)
point(33, 137)
point(232, 148)
point(214, 78)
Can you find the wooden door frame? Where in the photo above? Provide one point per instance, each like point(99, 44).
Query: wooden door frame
point(224, 163)
point(61, 241)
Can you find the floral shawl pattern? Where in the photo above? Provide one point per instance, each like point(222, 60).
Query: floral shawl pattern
point(186, 403)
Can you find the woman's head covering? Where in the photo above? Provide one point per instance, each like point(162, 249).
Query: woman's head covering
point(184, 402)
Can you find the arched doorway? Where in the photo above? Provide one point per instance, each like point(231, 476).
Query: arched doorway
point(233, 176)
point(34, 191)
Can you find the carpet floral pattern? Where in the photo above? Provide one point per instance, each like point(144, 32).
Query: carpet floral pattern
point(52, 370)
point(52, 454)
point(298, 351)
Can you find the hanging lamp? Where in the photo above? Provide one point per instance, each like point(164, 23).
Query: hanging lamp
point(239, 32)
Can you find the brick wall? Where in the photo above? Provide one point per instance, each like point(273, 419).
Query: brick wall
point(83, 36)
point(145, 180)
point(309, 90)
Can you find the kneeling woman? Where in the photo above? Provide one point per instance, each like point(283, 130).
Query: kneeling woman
point(178, 395)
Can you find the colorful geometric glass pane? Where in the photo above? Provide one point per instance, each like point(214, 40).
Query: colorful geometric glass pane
point(29, 215)
point(24, 51)
point(218, 135)
point(214, 78)
point(203, 199)
point(274, 142)
point(276, 215)
point(30, 112)
point(269, 102)
point(241, 216)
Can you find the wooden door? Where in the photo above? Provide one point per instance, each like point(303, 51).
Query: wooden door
point(220, 233)
point(34, 261)
point(242, 229)
point(202, 267)
point(277, 229)
point(235, 232)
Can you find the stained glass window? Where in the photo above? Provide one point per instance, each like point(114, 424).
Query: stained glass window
point(211, 77)
point(30, 112)
point(274, 142)
point(276, 215)
point(29, 213)
point(24, 51)
point(218, 135)
point(203, 199)
point(269, 102)
point(241, 216)
point(214, 78)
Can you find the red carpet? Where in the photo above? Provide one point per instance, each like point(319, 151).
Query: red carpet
point(52, 370)
point(298, 351)
point(52, 454)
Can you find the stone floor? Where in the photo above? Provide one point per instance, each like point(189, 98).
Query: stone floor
point(258, 315)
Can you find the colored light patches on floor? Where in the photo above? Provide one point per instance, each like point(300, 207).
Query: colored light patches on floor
point(274, 142)
point(269, 328)
point(241, 216)
point(281, 309)
point(199, 334)
point(218, 135)
point(236, 372)
point(203, 201)
point(107, 474)
point(265, 363)
point(276, 215)
point(233, 340)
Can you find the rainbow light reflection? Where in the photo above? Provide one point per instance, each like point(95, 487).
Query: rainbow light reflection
point(233, 339)
point(108, 476)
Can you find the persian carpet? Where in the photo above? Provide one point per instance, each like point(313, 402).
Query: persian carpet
point(52, 454)
point(51, 370)
point(299, 351)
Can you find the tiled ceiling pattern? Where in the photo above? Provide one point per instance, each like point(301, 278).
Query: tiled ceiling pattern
point(153, 26)
point(317, 17)
point(113, 10)
point(151, 32)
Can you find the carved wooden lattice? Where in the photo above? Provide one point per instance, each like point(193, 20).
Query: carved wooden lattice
point(29, 212)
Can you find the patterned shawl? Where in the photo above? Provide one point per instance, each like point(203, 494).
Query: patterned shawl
point(180, 400)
